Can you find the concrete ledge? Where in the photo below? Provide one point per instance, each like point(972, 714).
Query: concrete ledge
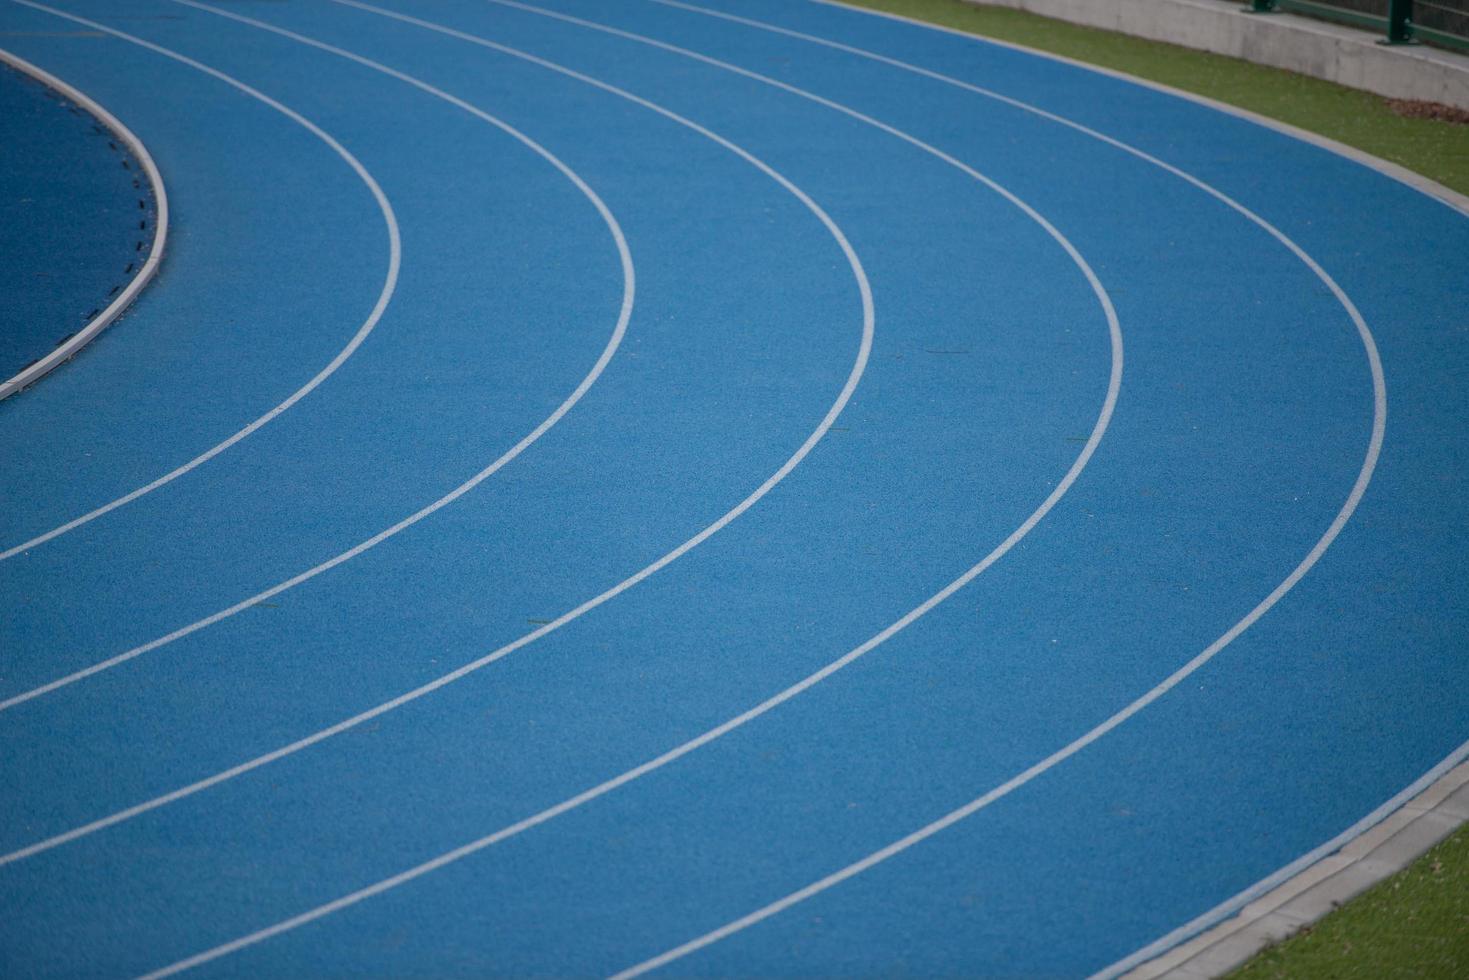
point(1367, 859)
point(1338, 54)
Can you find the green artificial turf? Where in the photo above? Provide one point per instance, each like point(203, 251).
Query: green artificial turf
point(1438, 150)
point(1413, 925)
point(1416, 923)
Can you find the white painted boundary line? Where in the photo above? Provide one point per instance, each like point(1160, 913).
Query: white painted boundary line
point(859, 367)
point(1376, 847)
point(390, 281)
point(613, 343)
point(144, 275)
point(1099, 429)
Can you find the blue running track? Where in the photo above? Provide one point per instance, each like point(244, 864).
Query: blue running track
point(749, 489)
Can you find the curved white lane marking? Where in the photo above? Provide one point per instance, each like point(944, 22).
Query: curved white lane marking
point(144, 275)
point(859, 366)
point(628, 281)
point(1359, 488)
point(1098, 430)
point(390, 282)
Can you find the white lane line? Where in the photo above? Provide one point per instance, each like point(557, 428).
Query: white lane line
point(390, 282)
point(859, 366)
point(1098, 430)
point(1359, 488)
point(145, 274)
point(613, 343)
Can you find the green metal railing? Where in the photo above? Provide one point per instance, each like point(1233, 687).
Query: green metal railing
point(1439, 22)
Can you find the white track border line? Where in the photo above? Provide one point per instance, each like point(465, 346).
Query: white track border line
point(144, 275)
point(613, 343)
point(1431, 189)
point(601, 789)
point(859, 367)
point(390, 281)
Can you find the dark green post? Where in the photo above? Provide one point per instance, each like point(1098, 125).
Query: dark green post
point(1400, 22)
point(1261, 6)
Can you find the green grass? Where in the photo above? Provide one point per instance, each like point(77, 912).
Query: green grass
point(1438, 150)
point(1416, 923)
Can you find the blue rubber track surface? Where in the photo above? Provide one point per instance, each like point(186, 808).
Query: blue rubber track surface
point(76, 218)
point(857, 513)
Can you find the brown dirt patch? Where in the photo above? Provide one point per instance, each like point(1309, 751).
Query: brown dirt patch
point(1418, 109)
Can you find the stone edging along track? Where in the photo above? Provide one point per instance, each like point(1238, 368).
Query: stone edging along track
point(132, 148)
point(1307, 895)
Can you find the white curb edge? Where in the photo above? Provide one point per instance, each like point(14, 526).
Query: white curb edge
point(160, 227)
point(1318, 883)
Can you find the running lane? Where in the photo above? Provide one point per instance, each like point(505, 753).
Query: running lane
point(967, 366)
point(1337, 698)
point(227, 339)
point(1246, 415)
point(479, 344)
point(531, 548)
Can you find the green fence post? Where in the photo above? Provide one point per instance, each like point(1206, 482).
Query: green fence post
point(1400, 22)
point(1261, 7)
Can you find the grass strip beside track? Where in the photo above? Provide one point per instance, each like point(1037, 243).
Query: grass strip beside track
point(1436, 149)
point(1416, 923)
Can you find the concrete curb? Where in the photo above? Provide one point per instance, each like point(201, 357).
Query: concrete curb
point(1303, 899)
point(1410, 178)
point(130, 292)
point(1338, 54)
